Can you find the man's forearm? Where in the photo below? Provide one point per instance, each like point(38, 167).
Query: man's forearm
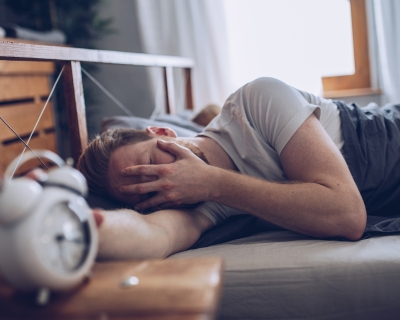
point(311, 208)
point(126, 234)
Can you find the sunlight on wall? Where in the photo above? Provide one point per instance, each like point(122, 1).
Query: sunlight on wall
point(297, 41)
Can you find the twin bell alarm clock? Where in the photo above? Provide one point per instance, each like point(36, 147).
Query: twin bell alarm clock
point(48, 236)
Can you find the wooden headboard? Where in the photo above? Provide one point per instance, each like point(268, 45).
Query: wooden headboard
point(72, 78)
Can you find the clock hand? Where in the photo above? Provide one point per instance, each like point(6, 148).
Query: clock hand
point(62, 237)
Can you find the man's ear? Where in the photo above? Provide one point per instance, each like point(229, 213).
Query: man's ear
point(161, 131)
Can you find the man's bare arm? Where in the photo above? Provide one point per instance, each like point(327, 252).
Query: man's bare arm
point(126, 234)
point(321, 201)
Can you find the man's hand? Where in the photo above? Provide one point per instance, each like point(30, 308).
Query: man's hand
point(184, 181)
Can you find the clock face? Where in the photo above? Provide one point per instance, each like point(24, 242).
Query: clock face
point(63, 238)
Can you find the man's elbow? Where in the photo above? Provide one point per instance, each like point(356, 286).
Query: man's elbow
point(353, 224)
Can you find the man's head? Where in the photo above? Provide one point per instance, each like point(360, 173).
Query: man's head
point(115, 149)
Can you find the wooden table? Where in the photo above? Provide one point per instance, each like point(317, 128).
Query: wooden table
point(166, 289)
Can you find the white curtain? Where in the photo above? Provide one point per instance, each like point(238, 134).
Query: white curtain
point(194, 29)
point(384, 23)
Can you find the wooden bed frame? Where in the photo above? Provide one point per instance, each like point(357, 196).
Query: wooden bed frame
point(71, 58)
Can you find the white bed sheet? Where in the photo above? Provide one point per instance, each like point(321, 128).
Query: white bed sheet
point(285, 275)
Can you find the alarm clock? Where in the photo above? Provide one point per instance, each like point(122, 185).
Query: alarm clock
point(48, 236)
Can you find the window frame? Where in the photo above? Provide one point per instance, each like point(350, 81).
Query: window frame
point(359, 83)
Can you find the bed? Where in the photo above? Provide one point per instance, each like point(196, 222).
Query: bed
point(269, 273)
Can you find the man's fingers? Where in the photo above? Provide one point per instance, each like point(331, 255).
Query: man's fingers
point(142, 170)
point(172, 147)
point(150, 203)
point(140, 188)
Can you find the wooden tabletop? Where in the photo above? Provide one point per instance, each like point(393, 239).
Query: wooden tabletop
point(166, 289)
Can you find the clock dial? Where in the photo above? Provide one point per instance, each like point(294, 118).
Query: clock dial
point(63, 239)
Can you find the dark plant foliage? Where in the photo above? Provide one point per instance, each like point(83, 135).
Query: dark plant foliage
point(83, 26)
point(78, 19)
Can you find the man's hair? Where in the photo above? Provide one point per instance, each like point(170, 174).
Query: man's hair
point(94, 161)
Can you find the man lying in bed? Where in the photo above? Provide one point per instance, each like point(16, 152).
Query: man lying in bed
point(274, 152)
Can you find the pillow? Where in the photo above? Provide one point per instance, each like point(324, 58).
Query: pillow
point(182, 127)
point(181, 119)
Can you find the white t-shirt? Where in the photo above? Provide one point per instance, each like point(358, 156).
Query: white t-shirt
point(254, 126)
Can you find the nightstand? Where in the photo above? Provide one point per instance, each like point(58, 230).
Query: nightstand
point(154, 289)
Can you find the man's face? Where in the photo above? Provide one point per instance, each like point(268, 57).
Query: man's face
point(145, 152)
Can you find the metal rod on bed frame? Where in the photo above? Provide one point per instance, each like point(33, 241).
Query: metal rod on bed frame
point(72, 77)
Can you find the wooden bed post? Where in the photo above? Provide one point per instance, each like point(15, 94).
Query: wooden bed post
point(189, 89)
point(75, 105)
point(169, 90)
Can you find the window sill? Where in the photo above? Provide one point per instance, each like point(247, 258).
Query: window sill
point(351, 93)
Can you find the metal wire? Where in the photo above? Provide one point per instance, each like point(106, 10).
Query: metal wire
point(37, 122)
point(108, 93)
point(5, 122)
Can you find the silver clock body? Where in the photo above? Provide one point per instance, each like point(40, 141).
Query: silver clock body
point(54, 246)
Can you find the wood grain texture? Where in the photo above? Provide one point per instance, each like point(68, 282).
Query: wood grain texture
point(22, 118)
point(26, 67)
point(10, 151)
point(167, 289)
point(169, 88)
point(22, 87)
point(189, 89)
point(10, 50)
point(75, 105)
point(351, 93)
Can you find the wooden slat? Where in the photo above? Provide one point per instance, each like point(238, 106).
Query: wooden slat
point(169, 90)
point(189, 89)
point(360, 40)
point(26, 67)
point(167, 289)
point(20, 51)
point(22, 87)
point(34, 42)
point(75, 106)
point(22, 118)
point(11, 151)
point(352, 93)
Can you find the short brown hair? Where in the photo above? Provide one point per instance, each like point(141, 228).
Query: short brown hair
point(94, 161)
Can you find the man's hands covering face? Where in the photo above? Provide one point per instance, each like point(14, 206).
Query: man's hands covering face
point(184, 181)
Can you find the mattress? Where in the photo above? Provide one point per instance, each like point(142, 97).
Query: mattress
point(286, 275)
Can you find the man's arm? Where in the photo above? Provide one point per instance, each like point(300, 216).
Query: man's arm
point(322, 199)
point(126, 234)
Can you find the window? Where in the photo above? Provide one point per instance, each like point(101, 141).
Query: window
point(299, 42)
point(358, 83)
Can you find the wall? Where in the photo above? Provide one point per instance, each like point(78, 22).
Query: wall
point(128, 84)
